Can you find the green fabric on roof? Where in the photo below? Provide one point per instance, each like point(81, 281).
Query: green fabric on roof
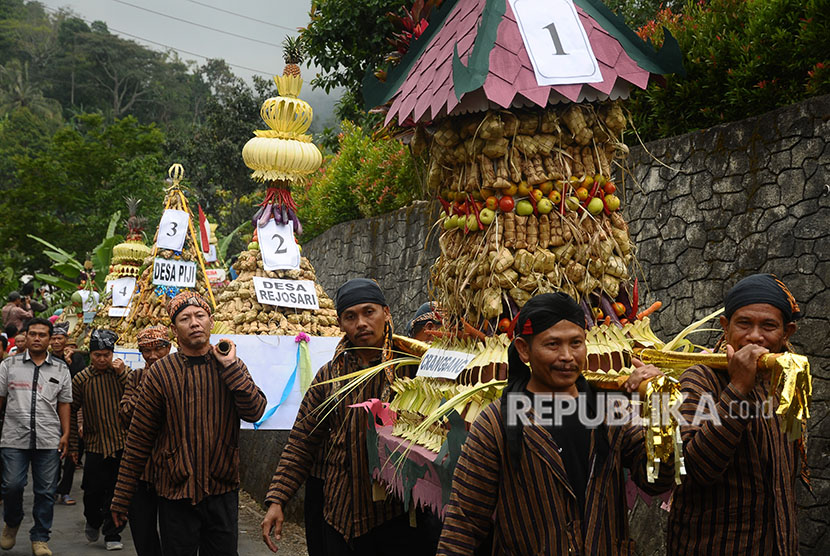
point(667, 60)
point(472, 76)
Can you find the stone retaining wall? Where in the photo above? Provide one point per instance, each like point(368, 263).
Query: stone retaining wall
point(751, 196)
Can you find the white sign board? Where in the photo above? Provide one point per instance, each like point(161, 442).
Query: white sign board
point(444, 363)
point(556, 42)
point(299, 294)
point(279, 250)
point(270, 360)
point(89, 300)
point(167, 272)
point(215, 275)
point(122, 290)
point(119, 311)
point(210, 256)
point(172, 229)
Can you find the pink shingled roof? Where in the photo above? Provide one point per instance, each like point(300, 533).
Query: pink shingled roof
point(428, 93)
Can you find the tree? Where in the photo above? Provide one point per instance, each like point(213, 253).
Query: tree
point(638, 12)
point(16, 91)
point(344, 39)
point(66, 192)
point(122, 68)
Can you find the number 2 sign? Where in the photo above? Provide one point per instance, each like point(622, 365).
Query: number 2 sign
point(279, 250)
point(556, 42)
point(172, 229)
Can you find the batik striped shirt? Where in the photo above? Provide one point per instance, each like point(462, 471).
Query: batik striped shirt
point(339, 438)
point(126, 407)
point(186, 419)
point(534, 506)
point(98, 394)
point(738, 496)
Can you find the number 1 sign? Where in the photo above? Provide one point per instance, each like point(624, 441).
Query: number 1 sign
point(556, 42)
point(279, 250)
point(172, 229)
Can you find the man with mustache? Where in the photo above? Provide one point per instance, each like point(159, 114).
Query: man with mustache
point(738, 495)
point(154, 344)
point(355, 523)
point(186, 419)
point(96, 391)
point(554, 488)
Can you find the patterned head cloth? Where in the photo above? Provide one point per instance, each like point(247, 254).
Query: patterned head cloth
point(428, 312)
point(762, 288)
point(184, 300)
point(153, 336)
point(102, 339)
point(60, 328)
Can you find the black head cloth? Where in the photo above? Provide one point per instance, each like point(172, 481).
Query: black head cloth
point(762, 288)
point(102, 339)
point(357, 291)
point(538, 314)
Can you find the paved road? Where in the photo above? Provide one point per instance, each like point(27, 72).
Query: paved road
point(68, 531)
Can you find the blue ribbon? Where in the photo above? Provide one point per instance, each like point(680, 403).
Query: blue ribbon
point(285, 392)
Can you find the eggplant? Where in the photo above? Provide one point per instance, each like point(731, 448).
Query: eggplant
point(275, 212)
point(608, 308)
point(263, 218)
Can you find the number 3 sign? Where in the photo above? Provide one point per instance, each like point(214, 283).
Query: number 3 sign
point(556, 42)
point(172, 229)
point(279, 250)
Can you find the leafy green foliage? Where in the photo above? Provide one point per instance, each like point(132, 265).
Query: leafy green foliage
point(637, 13)
point(743, 57)
point(344, 39)
point(66, 192)
point(366, 178)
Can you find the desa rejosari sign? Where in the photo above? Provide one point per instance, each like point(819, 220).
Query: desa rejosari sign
point(299, 294)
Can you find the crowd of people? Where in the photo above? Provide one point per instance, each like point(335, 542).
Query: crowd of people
point(160, 443)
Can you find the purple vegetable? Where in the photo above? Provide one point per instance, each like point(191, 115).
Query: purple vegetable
point(256, 217)
point(608, 309)
point(298, 228)
point(589, 317)
point(263, 218)
point(284, 214)
point(276, 213)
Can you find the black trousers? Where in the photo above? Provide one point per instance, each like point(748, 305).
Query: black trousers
point(144, 520)
point(100, 475)
point(315, 532)
point(66, 472)
point(393, 538)
point(209, 528)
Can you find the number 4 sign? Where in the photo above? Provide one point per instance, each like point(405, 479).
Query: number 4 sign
point(556, 42)
point(122, 291)
point(279, 250)
point(172, 229)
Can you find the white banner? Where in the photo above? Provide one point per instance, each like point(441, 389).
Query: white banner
point(174, 273)
point(215, 275)
point(210, 256)
point(119, 311)
point(122, 290)
point(556, 42)
point(279, 250)
point(89, 301)
point(299, 294)
point(172, 229)
point(270, 360)
point(444, 363)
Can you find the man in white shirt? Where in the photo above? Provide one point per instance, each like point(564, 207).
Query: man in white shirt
point(36, 389)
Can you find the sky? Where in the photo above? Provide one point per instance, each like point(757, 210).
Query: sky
point(247, 34)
